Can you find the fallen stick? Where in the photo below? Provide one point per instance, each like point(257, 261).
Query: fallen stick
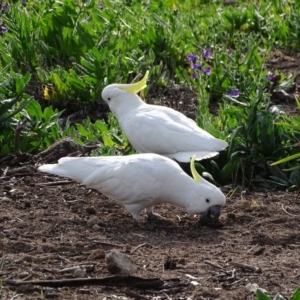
point(288, 212)
point(54, 183)
point(121, 281)
point(208, 262)
point(247, 267)
point(139, 246)
point(88, 268)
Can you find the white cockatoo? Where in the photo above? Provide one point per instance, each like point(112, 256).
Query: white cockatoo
point(141, 181)
point(158, 129)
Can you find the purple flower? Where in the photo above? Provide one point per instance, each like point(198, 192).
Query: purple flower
point(233, 93)
point(207, 71)
point(257, 91)
point(193, 75)
point(270, 76)
point(206, 53)
point(196, 66)
point(23, 1)
point(3, 28)
point(5, 6)
point(101, 6)
point(192, 57)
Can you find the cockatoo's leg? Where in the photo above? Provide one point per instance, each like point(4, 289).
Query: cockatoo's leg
point(134, 212)
point(152, 215)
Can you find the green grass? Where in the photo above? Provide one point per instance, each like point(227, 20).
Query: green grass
point(59, 52)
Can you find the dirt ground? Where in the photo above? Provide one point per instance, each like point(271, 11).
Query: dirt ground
point(49, 224)
point(45, 228)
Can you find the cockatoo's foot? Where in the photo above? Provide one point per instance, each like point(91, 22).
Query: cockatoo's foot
point(154, 216)
point(138, 224)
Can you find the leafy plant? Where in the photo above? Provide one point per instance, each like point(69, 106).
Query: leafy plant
point(288, 162)
point(72, 49)
point(260, 295)
point(10, 107)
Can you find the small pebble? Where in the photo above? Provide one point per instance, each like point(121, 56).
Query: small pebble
point(92, 221)
point(182, 261)
point(79, 273)
point(80, 245)
point(96, 227)
point(91, 210)
point(23, 275)
point(39, 249)
point(27, 204)
point(119, 263)
point(26, 288)
point(97, 254)
point(231, 216)
point(128, 248)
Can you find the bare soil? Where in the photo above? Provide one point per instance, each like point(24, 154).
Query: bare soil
point(46, 226)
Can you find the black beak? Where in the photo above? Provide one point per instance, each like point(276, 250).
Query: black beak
point(212, 211)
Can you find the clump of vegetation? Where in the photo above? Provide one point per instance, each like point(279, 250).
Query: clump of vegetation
point(262, 296)
point(57, 56)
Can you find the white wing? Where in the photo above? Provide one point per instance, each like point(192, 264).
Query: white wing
point(165, 131)
point(137, 181)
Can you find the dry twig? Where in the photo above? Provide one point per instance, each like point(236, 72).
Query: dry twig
point(139, 246)
point(121, 281)
point(54, 183)
point(247, 267)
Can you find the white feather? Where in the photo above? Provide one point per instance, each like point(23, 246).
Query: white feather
point(158, 129)
point(139, 181)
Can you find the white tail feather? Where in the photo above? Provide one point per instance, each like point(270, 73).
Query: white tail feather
point(77, 168)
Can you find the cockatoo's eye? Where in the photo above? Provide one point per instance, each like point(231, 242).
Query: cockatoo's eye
point(207, 200)
point(108, 98)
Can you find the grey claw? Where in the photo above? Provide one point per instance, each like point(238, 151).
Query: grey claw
point(154, 216)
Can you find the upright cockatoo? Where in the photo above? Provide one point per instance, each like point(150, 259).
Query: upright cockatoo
point(141, 181)
point(158, 129)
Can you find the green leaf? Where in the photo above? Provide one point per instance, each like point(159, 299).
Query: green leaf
point(107, 139)
point(58, 83)
point(277, 172)
point(20, 86)
point(26, 78)
point(16, 110)
point(7, 104)
point(283, 160)
point(34, 110)
point(101, 126)
point(261, 295)
point(82, 130)
point(278, 297)
point(296, 295)
point(230, 168)
point(48, 112)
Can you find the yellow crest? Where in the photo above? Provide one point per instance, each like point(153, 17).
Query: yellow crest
point(134, 88)
point(195, 174)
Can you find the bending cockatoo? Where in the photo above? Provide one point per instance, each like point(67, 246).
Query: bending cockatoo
point(158, 129)
point(141, 181)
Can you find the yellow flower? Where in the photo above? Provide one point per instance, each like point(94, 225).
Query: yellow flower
point(46, 93)
point(245, 27)
point(50, 93)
